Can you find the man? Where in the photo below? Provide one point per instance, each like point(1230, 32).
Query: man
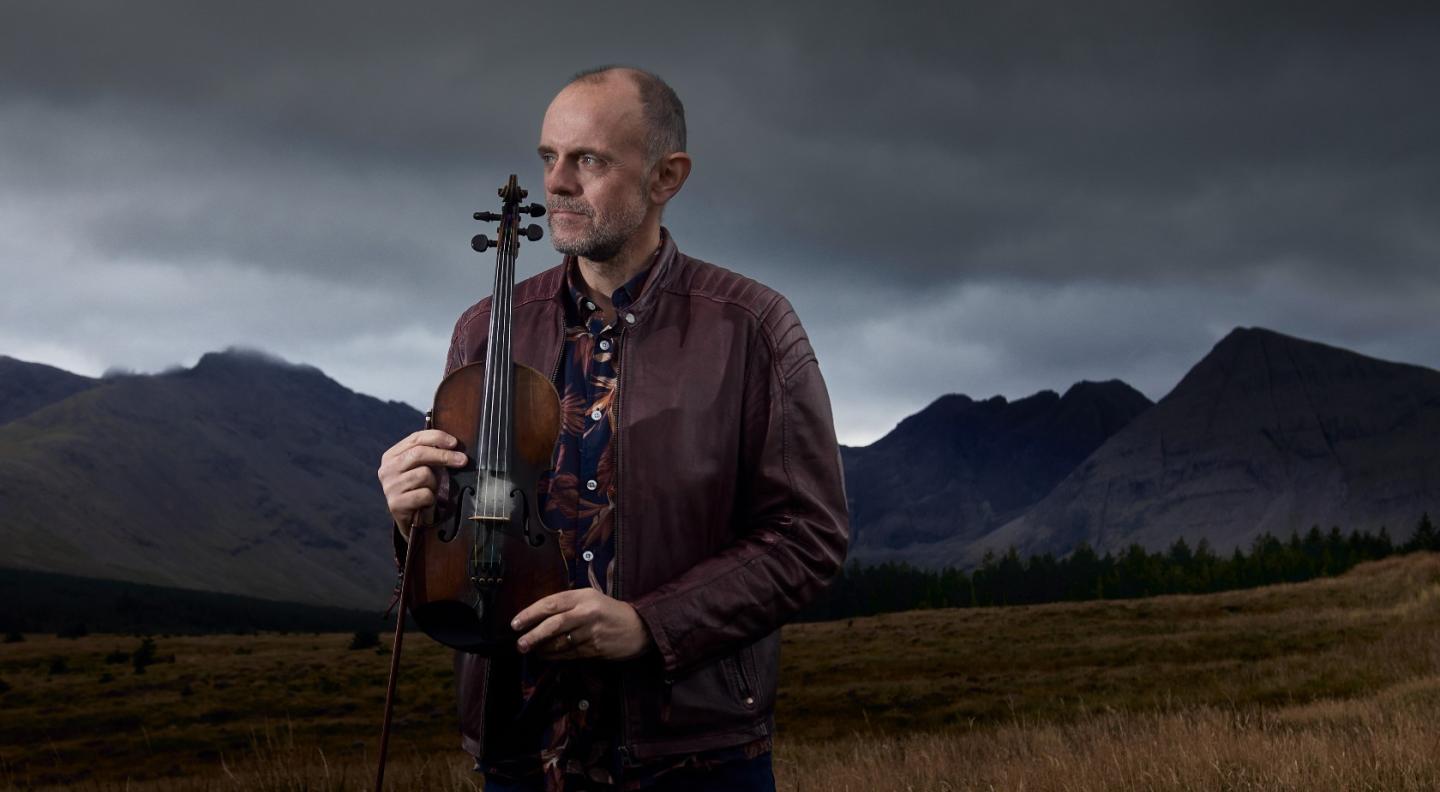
point(697, 485)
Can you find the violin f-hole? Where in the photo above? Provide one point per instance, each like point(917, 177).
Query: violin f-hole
point(454, 521)
point(520, 518)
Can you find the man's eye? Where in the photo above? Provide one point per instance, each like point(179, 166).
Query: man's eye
point(589, 160)
point(548, 159)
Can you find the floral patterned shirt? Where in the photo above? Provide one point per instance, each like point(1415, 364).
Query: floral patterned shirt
point(569, 710)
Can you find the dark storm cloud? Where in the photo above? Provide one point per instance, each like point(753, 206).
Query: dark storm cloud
point(1044, 183)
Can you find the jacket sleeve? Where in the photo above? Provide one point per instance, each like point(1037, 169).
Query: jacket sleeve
point(794, 523)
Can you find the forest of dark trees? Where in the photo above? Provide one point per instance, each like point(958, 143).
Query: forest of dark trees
point(1084, 575)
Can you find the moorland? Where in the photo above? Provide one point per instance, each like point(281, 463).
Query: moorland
point(1332, 683)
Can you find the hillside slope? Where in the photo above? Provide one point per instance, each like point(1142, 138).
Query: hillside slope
point(243, 475)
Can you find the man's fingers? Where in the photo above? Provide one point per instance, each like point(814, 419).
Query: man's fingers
point(417, 478)
point(555, 626)
point(428, 455)
point(425, 437)
point(396, 474)
point(433, 437)
point(545, 606)
point(421, 478)
point(419, 456)
point(562, 648)
point(413, 500)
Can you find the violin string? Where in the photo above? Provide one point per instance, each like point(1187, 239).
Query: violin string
point(509, 344)
point(492, 392)
point(510, 239)
point(507, 239)
point(502, 362)
point(508, 364)
point(490, 417)
point(497, 342)
point(482, 460)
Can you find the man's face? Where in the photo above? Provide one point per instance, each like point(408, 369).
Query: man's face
point(592, 144)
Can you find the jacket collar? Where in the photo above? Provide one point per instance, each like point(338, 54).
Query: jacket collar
point(662, 272)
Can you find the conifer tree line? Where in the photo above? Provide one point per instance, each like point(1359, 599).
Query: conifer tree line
point(1085, 575)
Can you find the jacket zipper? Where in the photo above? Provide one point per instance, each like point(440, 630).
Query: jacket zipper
point(559, 354)
point(743, 672)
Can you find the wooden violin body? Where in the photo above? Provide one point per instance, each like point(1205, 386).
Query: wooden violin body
point(455, 597)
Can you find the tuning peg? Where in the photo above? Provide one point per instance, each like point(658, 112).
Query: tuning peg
point(533, 233)
point(524, 194)
point(488, 217)
point(534, 210)
point(480, 243)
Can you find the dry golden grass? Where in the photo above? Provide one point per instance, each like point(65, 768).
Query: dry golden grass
point(931, 670)
point(1383, 743)
point(1331, 684)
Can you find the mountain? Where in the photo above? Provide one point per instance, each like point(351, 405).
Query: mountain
point(1266, 433)
point(244, 475)
point(960, 467)
point(26, 387)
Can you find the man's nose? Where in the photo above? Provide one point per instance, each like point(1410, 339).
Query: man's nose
point(561, 179)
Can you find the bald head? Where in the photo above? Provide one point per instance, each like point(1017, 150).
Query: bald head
point(660, 107)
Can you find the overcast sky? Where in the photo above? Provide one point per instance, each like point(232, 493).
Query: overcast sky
point(956, 197)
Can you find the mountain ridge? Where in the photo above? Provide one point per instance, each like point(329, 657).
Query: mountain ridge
point(960, 467)
point(1266, 433)
point(234, 475)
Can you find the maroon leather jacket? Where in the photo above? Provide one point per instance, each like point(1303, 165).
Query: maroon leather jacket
point(730, 501)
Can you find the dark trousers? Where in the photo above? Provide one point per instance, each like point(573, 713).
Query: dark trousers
point(745, 775)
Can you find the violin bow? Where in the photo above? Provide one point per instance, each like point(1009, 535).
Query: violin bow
point(410, 554)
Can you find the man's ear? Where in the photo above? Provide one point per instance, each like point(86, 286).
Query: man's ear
point(668, 176)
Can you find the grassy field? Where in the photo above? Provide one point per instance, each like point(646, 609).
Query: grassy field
point(1331, 684)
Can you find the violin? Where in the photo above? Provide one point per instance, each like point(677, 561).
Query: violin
point(488, 554)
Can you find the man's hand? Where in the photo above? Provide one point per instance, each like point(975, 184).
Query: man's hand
point(582, 623)
point(409, 473)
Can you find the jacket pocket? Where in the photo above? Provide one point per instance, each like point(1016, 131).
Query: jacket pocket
point(706, 699)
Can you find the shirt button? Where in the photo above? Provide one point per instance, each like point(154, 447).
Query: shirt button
point(591, 485)
point(629, 318)
point(595, 416)
point(588, 555)
point(604, 344)
point(582, 705)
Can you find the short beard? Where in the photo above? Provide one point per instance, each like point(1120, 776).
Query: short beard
point(602, 243)
point(607, 236)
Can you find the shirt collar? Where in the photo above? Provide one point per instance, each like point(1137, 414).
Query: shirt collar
point(622, 298)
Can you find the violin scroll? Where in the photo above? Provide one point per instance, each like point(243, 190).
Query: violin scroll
point(509, 220)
